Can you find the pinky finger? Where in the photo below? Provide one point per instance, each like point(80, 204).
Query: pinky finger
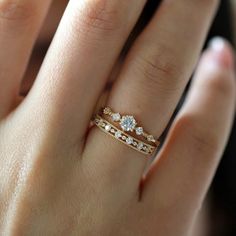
point(178, 181)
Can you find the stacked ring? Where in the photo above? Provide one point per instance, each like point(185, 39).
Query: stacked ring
point(128, 123)
point(123, 137)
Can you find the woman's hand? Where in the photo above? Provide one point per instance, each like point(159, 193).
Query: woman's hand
point(58, 178)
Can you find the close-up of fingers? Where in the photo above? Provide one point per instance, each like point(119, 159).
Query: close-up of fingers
point(180, 177)
point(87, 43)
point(152, 80)
point(20, 22)
point(117, 117)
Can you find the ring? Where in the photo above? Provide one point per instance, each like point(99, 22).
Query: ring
point(123, 137)
point(128, 123)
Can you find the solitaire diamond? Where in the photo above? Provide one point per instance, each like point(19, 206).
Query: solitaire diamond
point(116, 117)
point(139, 130)
point(128, 123)
point(129, 140)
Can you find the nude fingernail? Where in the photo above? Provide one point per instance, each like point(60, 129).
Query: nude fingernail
point(222, 52)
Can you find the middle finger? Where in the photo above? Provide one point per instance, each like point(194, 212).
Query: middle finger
point(80, 58)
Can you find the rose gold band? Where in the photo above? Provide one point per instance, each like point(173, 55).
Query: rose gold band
point(123, 137)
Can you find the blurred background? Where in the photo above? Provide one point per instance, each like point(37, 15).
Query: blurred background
point(218, 215)
point(222, 196)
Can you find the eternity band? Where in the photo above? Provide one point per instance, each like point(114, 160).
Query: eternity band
point(123, 137)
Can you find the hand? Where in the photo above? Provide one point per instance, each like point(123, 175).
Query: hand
point(59, 178)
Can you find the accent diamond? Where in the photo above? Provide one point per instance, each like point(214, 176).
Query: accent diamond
point(139, 130)
point(107, 127)
point(116, 117)
point(100, 122)
point(128, 123)
point(107, 110)
point(129, 140)
point(118, 134)
point(150, 138)
point(140, 146)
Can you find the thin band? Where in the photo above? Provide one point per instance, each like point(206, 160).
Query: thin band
point(133, 126)
point(123, 137)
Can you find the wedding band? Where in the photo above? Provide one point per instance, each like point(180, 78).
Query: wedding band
point(123, 137)
point(128, 123)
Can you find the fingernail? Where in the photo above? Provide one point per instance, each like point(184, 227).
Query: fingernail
point(222, 52)
point(217, 44)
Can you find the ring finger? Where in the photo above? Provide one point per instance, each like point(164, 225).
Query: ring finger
point(152, 80)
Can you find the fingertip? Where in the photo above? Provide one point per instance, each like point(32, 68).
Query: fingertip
point(217, 67)
point(221, 53)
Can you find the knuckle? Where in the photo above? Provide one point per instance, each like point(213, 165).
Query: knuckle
point(202, 138)
point(16, 11)
point(99, 16)
point(158, 73)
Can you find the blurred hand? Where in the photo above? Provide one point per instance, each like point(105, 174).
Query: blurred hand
point(59, 178)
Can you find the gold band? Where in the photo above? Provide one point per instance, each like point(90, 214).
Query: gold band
point(123, 137)
point(126, 120)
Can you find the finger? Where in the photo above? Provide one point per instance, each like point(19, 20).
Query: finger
point(162, 61)
point(150, 89)
point(20, 22)
point(179, 180)
point(83, 52)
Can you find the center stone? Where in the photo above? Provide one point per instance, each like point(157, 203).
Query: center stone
point(128, 123)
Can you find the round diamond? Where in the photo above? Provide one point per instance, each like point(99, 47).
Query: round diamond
point(100, 123)
point(118, 134)
point(150, 138)
point(107, 127)
point(107, 111)
point(139, 130)
point(140, 146)
point(116, 117)
point(129, 140)
point(128, 123)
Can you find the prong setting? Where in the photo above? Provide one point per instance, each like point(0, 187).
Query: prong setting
point(129, 124)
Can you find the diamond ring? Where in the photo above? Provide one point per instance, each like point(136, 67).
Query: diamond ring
point(123, 137)
point(129, 124)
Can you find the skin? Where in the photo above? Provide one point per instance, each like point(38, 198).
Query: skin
point(59, 177)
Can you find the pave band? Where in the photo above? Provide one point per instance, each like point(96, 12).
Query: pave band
point(128, 123)
point(123, 137)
